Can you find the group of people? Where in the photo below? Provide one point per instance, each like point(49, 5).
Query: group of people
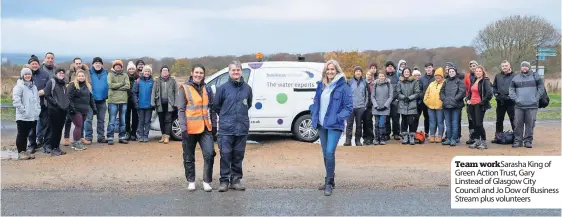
point(439, 94)
point(48, 99)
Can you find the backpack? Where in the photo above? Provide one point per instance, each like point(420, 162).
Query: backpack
point(544, 100)
point(419, 137)
point(505, 138)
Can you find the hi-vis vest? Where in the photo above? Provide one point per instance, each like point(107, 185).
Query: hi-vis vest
point(196, 110)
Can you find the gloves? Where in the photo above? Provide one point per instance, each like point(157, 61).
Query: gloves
point(381, 108)
point(214, 134)
point(406, 99)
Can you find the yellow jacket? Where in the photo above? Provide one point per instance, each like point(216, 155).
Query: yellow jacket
point(431, 98)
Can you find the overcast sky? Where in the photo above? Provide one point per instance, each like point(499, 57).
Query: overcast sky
point(177, 28)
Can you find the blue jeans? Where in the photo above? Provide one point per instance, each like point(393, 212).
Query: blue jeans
point(112, 126)
point(436, 122)
point(145, 116)
point(88, 131)
point(452, 123)
point(380, 126)
point(329, 141)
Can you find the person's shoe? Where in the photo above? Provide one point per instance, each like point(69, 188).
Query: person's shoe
point(191, 186)
point(482, 145)
point(223, 187)
point(78, 146)
point(328, 187)
point(332, 181)
point(23, 156)
point(238, 187)
point(405, 138)
point(133, 138)
point(432, 139)
point(85, 141)
point(347, 142)
point(57, 152)
point(207, 187)
point(470, 141)
point(39, 144)
point(412, 139)
point(161, 139)
point(528, 145)
point(31, 150)
point(145, 139)
point(110, 142)
point(102, 140)
point(446, 142)
point(66, 142)
point(475, 144)
point(517, 145)
point(124, 141)
point(376, 141)
point(438, 139)
point(396, 137)
point(453, 142)
point(127, 136)
point(47, 150)
point(166, 139)
point(358, 143)
point(382, 142)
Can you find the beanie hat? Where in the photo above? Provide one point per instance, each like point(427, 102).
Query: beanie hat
point(138, 62)
point(439, 72)
point(97, 59)
point(59, 70)
point(473, 62)
point(357, 68)
point(450, 64)
point(25, 71)
point(526, 64)
point(389, 63)
point(148, 67)
point(131, 65)
point(117, 62)
point(416, 72)
point(33, 59)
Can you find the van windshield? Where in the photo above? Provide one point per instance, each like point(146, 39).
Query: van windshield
point(221, 79)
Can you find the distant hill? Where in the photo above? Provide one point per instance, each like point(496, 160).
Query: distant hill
point(21, 58)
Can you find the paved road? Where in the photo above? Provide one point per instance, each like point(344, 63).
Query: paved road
point(426, 202)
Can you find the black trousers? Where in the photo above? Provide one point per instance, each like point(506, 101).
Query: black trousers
point(165, 119)
point(368, 124)
point(67, 125)
point(422, 110)
point(504, 106)
point(394, 118)
point(408, 123)
point(42, 130)
point(24, 129)
point(134, 115)
point(357, 117)
point(232, 149)
point(189, 142)
point(57, 117)
point(477, 113)
point(470, 121)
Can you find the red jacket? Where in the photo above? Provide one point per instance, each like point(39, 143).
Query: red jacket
point(468, 77)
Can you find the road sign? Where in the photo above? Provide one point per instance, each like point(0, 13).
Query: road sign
point(542, 58)
point(547, 49)
point(547, 54)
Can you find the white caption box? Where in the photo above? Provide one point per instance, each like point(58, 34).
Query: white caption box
point(506, 182)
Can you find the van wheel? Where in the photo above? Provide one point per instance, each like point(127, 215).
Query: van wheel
point(176, 130)
point(303, 131)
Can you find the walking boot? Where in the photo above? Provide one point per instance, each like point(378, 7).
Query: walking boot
point(110, 142)
point(161, 139)
point(166, 139)
point(446, 142)
point(322, 186)
point(412, 139)
point(376, 141)
point(223, 187)
point(396, 137)
point(238, 187)
point(127, 136)
point(85, 141)
point(528, 145)
point(78, 146)
point(405, 139)
point(347, 142)
point(471, 139)
point(517, 145)
point(133, 137)
point(432, 139)
point(23, 156)
point(124, 141)
point(57, 152)
point(66, 142)
point(438, 139)
point(358, 142)
point(475, 144)
point(328, 187)
point(102, 140)
point(482, 145)
point(453, 142)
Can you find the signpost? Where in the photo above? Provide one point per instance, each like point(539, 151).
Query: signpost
point(542, 53)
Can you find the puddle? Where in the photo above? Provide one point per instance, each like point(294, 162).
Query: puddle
point(9, 154)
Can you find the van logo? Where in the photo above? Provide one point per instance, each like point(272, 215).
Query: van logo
point(291, 74)
point(310, 74)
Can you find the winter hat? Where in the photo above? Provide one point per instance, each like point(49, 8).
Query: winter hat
point(131, 65)
point(473, 62)
point(450, 64)
point(416, 72)
point(33, 59)
point(439, 72)
point(97, 59)
point(164, 67)
point(147, 67)
point(138, 62)
point(25, 71)
point(117, 62)
point(389, 63)
point(59, 70)
point(525, 64)
point(357, 68)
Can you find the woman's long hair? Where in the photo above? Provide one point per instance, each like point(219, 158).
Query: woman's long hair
point(338, 70)
point(485, 75)
point(76, 82)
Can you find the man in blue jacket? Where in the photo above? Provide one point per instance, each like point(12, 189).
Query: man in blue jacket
point(40, 78)
point(100, 89)
point(232, 102)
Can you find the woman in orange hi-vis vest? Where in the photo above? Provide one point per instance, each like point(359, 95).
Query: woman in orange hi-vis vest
point(194, 104)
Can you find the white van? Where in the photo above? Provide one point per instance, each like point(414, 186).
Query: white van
point(282, 95)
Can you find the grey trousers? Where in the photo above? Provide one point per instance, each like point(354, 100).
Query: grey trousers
point(524, 125)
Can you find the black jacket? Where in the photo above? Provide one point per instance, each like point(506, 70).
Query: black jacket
point(81, 100)
point(58, 99)
point(452, 92)
point(485, 90)
point(501, 86)
point(132, 79)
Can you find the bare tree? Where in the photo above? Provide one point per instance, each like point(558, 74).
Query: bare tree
point(515, 39)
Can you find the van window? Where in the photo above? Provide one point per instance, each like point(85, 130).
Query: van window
point(221, 79)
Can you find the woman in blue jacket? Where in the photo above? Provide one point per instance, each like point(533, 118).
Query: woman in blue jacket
point(142, 96)
point(332, 105)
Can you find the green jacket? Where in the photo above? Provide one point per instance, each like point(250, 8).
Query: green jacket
point(118, 86)
point(164, 88)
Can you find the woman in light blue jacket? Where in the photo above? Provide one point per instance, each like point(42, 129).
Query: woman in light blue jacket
point(332, 105)
point(26, 101)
